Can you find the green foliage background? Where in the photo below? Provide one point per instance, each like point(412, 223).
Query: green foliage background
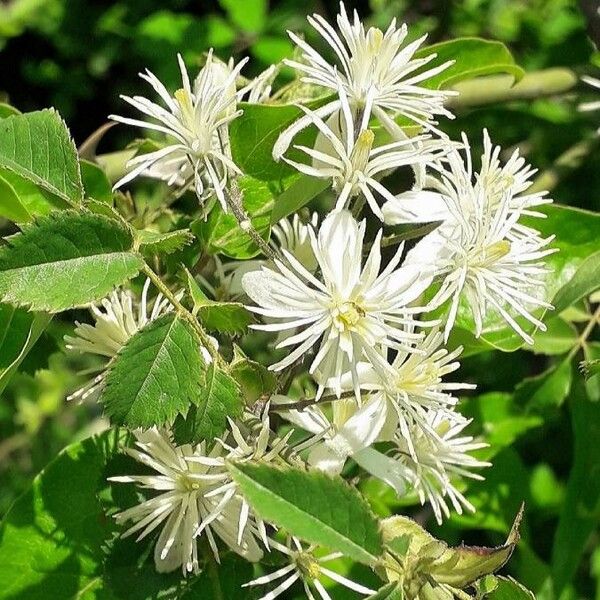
point(539, 415)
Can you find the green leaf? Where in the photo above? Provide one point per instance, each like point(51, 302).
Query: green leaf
point(585, 281)
point(577, 238)
point(590, 368)
point(52, 539)
point(299, 193)
point(224, 317)
point(155, 376)
point(95, 182)
point(155, 242)
point(206, 419)
point(254, 134)
point(66, 259)
point(506, 588)
point(559, 338)
point(21, 200)
point(255, 380)
point(221, 233)
point(474, 57)
point(19, 331)
point(547, 389)
point(38, 147)
point(6, 110)
point(313, 506)
point(249, 15)
point(580, 515)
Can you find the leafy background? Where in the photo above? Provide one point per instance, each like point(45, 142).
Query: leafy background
point(540, 417)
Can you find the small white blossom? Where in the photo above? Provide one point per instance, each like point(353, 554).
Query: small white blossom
point(377, 70)
point(432, 462)
point(353, 165)
point(354, 310)
point(481, 250)
point(195, 124)
point(307, 568)
point(188, 503)
point(117, 319)
point(594, 104)
point(294, 237)
point(413, 386)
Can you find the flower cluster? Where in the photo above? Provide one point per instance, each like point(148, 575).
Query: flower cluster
point(352, 310)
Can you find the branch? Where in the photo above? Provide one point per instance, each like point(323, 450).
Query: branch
point(187, 315)
point(234, 201)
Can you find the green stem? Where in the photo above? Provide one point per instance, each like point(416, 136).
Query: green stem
point(500, 88)
point(234, 201)
point(186, 314)
point(585, 334)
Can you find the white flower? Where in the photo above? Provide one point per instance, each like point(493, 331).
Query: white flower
point(481, 250)
point(431, 462)
point(353, 311)
point(186, 504)
point(258, 90)
point(304, 566)
point(294, 237)
point(195, 123)
point(377, 70)
point(117, 319)
point(413, 387)
point(351, 162)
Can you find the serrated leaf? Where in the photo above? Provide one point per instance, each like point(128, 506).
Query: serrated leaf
point(474, 57)
point(155, 376)
point(19, 331)
point(155, 242)
point(21, 200)
point(64, 260)
point(255, 380)
point(95, 182)
point(313, 506)
point(219, 398)
point(221, 233)
point(38, 147)
point(224, 317)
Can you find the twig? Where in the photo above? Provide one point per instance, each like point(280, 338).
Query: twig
point(234, 201)
point(186, 314)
